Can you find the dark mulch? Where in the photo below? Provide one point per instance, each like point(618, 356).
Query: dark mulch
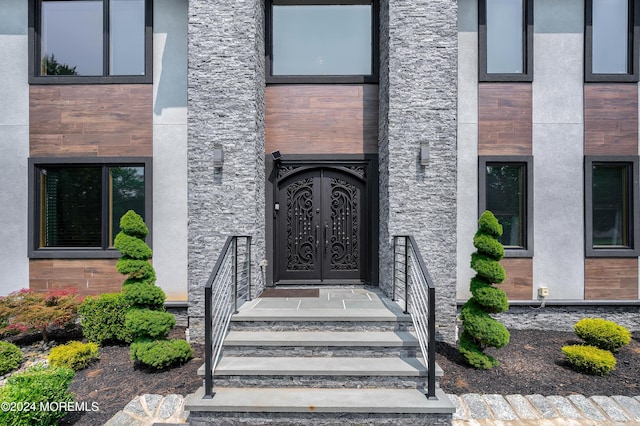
point(531, 363)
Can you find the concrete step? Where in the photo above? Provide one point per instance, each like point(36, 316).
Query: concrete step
point(305, 400)
point(321, 338)
point(318, 325)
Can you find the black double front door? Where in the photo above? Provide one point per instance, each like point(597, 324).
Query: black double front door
point(320, 230)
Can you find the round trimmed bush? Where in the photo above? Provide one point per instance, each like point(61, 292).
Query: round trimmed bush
point(142, 295)
point(602, 333)
point(10, 357)
point(161, 353)
point(144, 323)
point(74, 355)
point(589, 359)
point(102, 318)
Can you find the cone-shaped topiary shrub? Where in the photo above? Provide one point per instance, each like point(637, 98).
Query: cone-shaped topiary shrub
point(146, 319)
point(480, 330)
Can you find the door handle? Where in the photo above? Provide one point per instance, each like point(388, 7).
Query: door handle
point(326, 242)
point(316, 237)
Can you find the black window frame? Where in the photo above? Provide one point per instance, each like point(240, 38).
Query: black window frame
point(316, 79)
point(104, 252)
point(35, 15)
point(633, 43)
point(634, 207)
point(527, 41)
point(521, 160)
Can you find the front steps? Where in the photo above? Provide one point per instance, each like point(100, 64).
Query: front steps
point(347, 357)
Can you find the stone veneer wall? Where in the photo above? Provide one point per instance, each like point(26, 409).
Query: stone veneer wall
point(225, 107)
point(418, 98)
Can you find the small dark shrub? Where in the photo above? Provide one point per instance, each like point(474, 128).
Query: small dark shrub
point(602, 334)
point(161, 353)
point(74, 355)
point(39, 392)
point(10, 357)
point(144, 323)
point(589, 359)
point(27, 311)
point(102, 318)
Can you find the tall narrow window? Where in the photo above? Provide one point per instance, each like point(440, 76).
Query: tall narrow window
point(506, 40)
point(611, 40)
point(611, 207)
point(505, 190)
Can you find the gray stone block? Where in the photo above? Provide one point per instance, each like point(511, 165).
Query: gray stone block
point(461, 412)
point(500, 407)
point(543, 406)
point(123, 419)
point(171, 405)
point(564, 407)
point(522, 407)
point(478, 408)
point(610, 408)
point(631, 405)
point(151, 401)
point(586, 407)
point(135, 407)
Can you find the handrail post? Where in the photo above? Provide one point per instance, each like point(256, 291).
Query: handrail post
point(406, 275)
point(249, 268)
point(393, 282)
point(208, 346)
point(431, 377)
point(235, 275)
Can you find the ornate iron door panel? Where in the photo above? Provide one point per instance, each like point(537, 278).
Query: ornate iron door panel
point(319, 226)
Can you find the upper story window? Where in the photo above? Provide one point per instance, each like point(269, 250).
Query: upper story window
point(612, 206)
point(611, 40)
point(90, 41)
point(506, 40)
point(322, 41)
point(505, 188)
point(77, 206)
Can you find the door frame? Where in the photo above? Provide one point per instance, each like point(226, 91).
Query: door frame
point(370, 264)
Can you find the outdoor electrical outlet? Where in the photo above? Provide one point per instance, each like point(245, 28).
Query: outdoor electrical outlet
point(543, 291)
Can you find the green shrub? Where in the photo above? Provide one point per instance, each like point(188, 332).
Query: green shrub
point(480, 330)
point(135, 252)
point(132, 224)
point(39, 391)
point(144, 323)
point(144, 296)
point(74, 355)
point(589, 359)
point(27, 311)
point(102, 318)
point(603, 334)
point(161, 353)
point(10, 357)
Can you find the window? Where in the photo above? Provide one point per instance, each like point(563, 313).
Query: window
point(611, 206)
point(90, 41)
point(611, 40)
point(322, 41)
point(505, 189)
point(77, 206)
point(505, 31)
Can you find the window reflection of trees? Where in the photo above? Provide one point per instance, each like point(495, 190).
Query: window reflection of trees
point(505, 198)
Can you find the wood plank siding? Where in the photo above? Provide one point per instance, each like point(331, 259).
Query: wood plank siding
point(519, 282)
point(504, 119)
point(88, 276)
point(90, 120)
point(611, 279)
point(322, 119)
point(611, 119)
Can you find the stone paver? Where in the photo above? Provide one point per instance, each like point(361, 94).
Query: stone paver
point(631, 405)
point(610, 408)
point(543, 406)
point(478, 409)
point(500, 407)
point(150, 409)
point(564, 407)
point(588, 409)
point(461, 412)
point(522, 407)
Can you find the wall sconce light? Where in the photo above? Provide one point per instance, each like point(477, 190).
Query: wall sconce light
point(424, 154)
point(218, 156)
point(276, 155)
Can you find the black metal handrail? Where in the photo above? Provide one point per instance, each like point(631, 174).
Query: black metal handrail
point(230, 281)
point(412, 283)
